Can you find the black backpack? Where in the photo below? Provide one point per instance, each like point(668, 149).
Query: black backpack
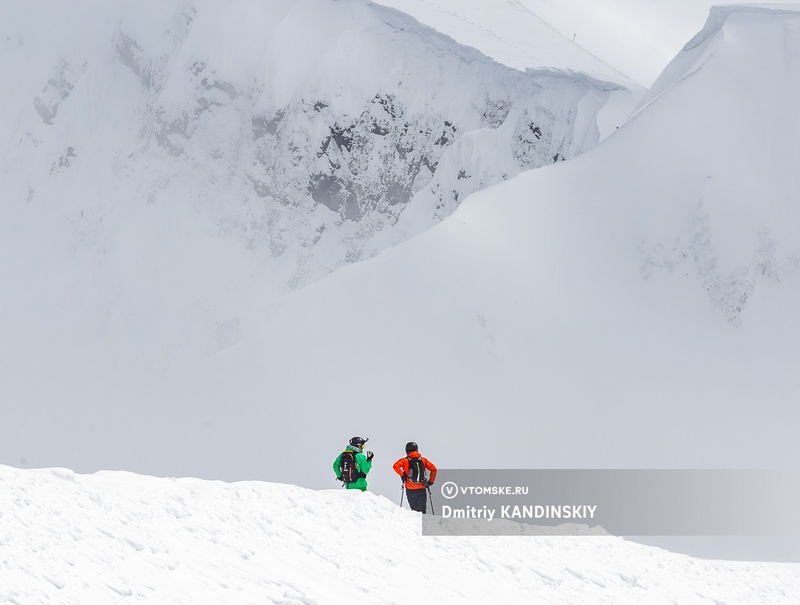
point(416, 471)
point(348, 469)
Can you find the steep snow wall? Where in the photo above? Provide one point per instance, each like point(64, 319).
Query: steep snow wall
point(113, 537)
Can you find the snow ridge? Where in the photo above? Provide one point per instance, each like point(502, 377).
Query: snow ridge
point(113, 536)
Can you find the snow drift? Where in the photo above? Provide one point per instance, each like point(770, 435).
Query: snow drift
point(112, 537)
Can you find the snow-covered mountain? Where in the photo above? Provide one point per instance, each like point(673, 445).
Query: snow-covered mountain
point(163, 162)
point(633, 306)
point(113, 537)
point(299, 129)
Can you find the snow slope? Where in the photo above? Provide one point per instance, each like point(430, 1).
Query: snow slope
point(115, 537)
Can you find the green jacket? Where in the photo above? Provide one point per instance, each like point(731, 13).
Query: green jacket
point(362, 465)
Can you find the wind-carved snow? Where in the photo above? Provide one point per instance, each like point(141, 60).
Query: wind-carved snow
point(517, 138)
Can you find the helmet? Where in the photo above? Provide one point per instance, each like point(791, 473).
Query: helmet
point(411, 447)
point(358, 441)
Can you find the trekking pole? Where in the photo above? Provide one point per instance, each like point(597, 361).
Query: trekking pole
point(402, 494)
point(430, 497)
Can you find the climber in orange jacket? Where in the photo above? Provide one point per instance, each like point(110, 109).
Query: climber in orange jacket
point(412, 471)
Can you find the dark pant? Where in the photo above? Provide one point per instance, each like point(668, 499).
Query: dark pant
point(417, 500)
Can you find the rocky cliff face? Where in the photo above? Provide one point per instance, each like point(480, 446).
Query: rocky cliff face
point(303, 129)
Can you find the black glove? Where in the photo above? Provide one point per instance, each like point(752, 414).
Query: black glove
point(340, 479)
point(370, 456)
point(404, 478)
point(429, 483)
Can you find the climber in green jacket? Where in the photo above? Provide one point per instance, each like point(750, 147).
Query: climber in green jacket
point(352, 465)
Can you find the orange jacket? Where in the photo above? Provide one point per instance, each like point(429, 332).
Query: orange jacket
point(401, 468)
